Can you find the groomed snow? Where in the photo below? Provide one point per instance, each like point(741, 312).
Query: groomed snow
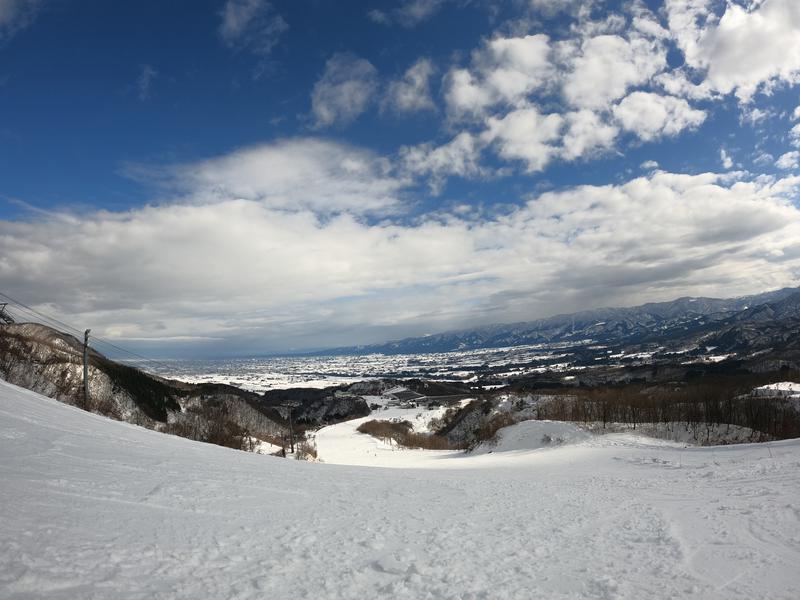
point(535, 435)
point(92, 508)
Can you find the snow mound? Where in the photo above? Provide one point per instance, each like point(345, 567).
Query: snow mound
point(534, 435)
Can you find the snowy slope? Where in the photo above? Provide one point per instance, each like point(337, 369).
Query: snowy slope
point(341, 444)
point(92, 508)
point(535, 435)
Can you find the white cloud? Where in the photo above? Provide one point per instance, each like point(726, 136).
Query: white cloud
point(295, 174)
point(651, 115)
point(586, 133)
point(725, 159)
point(145, 81)
point(503, 71)
point(606, 66)
point(593, 69)
point(408, 13)
point(743, 51)
point(687, 21)
point(794, 135)
point(676, 83)
point(251, 24)
point(465, 95)
point(796, 114)
point(16, 15)
point(649, 165)
point(379, 16)
point(345, 90)
point(415, 11)
point(525, 134)
point(789, 160)
point(552, 7)
point(412, 92)
point(763, 159)
point(513, 67)
point(247, 271)
point(460, 156)
point(754, 115)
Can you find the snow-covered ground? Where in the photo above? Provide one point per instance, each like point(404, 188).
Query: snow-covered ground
point(92, 508)
point(281, 372)
point(786, 391)
point(781, 389)
point(341, 444)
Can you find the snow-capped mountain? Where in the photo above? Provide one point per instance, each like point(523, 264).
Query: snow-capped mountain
point(660, 320)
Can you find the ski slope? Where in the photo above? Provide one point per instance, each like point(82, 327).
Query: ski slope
point(92, 508)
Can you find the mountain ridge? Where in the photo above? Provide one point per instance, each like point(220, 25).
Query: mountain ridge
point(602, 324)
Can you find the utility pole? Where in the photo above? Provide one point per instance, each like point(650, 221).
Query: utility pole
point(291, 425)
point(86, 369)
point(291, 430)
point(4, 316)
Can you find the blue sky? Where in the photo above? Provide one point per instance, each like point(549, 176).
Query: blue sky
point(249, 175)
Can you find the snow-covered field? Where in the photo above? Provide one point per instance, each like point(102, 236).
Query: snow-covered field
point(786, 389)
point(92, 508)
point(280, 372)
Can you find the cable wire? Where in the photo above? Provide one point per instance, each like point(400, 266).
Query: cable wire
point(51, 321)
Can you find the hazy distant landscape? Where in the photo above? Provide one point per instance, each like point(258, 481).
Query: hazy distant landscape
point(755, 333)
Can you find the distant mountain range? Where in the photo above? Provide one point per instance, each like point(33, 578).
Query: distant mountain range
point(726, 322)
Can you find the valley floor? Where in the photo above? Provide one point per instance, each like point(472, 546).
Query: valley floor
point(92, 508)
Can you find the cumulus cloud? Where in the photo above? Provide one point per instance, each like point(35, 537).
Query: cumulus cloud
point(503, 71)
point(251, 272)
point(606, 66)
point(460, 156)
point(604, 76)
point(789, 160)
point(794, 135)
point(525, 134)
point(725, 159)
point(345, 90)
point(251, 24)
point(411, 93)
point(747, 49)
point(586, 132)
point(651, 115)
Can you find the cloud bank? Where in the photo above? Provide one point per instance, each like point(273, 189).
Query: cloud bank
point(252, 250)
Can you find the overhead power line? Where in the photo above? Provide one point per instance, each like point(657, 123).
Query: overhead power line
point(58, 324)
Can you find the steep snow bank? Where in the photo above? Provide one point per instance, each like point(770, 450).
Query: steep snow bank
point(92, 508)
point(534, 435)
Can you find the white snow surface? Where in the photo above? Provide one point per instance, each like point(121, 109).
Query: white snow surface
point(341, 444)
point(534, 435)
point(782, 388)
point(94, 508)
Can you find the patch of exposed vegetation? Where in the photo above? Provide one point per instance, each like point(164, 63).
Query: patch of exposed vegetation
point(716, 400)
point(154, 397)
point(402, 434)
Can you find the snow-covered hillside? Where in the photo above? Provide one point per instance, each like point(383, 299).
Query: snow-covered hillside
point(93, 508)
